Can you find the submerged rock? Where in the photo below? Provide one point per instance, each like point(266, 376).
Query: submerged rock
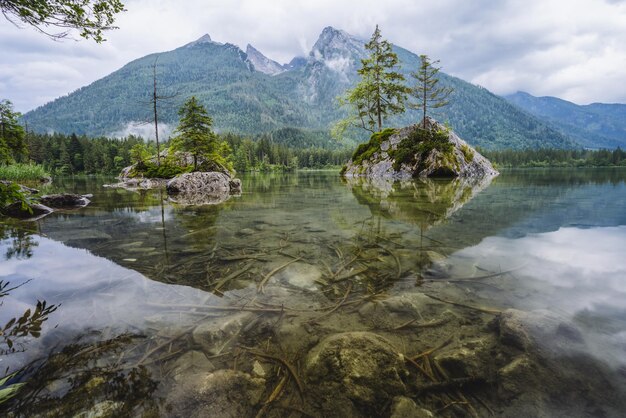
point(103, 409)
point(354, 370)
point(191, 362)
point(215, 334)
point(399, 155)
point(403, 407)
point(539, 331)
point(224, 394)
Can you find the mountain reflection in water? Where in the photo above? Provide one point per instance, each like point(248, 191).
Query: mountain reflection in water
point(158, 294)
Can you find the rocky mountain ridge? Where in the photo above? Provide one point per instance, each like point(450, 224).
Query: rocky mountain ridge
point(248, 93)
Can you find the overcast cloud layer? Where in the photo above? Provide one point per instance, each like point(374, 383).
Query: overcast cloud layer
point(573, 49)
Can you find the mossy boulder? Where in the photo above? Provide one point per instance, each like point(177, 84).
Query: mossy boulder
point(417, 151)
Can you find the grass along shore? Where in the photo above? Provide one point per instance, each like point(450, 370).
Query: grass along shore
point(23, 172)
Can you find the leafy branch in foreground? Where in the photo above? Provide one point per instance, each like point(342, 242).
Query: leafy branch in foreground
point(90, 17)
point(11, 193)
point(28, 324)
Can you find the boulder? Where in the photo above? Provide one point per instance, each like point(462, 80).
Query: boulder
point(37, 211)
point(200, 182)
point(235, 186)
point(395, 156)
point(352, 370)
point(201, 188)
point(65, 201)
point(23, 189)
point(540, 331)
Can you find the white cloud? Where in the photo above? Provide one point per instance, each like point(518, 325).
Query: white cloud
point(574, 49)
point(143, 130)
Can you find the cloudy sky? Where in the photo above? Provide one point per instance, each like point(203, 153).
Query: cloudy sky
point(573, 49)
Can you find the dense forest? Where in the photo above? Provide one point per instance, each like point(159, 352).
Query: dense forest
point(596, 125)
point(557, 158)
point(72, 154)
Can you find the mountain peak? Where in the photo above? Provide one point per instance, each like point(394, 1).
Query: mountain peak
point(333, 43)
point(204, 39)
point(262, 63)
point(338, 51)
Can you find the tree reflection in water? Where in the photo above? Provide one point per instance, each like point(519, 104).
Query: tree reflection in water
point(85, 376)
point(22, 242)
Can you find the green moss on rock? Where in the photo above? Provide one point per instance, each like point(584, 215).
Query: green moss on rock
point(468, 153)
point(366, 150)
point(419, 143)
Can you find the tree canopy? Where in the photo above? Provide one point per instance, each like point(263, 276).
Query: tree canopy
point(427, 91)
point(12, 145)
point(380, 92)
point(89, 17)
point(195, 135)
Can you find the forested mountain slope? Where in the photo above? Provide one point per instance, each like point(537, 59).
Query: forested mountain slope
point(245, 100)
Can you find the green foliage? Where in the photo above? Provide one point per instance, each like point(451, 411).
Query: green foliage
point(9, 391)
point(366, 150)
point(12, 193)
point(23, 172)
point(428, 92)
point(89, 17)
point(97, 155)
point(381, 91)
point(196, 137)
point(29, 324)
point(420, 142)
point(557, 158)
point(266, 154)
point(12, 145)
point(15, 331)
point(468, 153)
point(166, 170)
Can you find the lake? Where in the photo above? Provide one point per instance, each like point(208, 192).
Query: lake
point(310, 295)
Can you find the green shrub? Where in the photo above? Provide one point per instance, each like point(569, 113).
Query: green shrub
point(12, 193)
point(164, 171)
point(468, 153)
point(421, 142)
point(23, 172)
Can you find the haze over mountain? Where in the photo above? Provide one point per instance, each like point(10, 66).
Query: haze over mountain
point(248, 93)
point(597, 125)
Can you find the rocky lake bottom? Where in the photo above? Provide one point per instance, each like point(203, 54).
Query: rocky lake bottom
point(313, 296)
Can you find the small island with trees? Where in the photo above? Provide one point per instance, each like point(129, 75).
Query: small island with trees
point(426, 149)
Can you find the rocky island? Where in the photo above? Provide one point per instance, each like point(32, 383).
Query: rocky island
point(415, 151)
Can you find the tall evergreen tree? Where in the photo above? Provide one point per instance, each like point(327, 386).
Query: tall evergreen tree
point(427, 91)
point(75, 151)
point(12, 134)
point(196, 136)
point(381, 91)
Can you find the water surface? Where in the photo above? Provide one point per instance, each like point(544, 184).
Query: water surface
point(297, 257)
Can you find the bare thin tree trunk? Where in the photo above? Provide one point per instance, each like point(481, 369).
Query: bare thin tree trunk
point(156, 121)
